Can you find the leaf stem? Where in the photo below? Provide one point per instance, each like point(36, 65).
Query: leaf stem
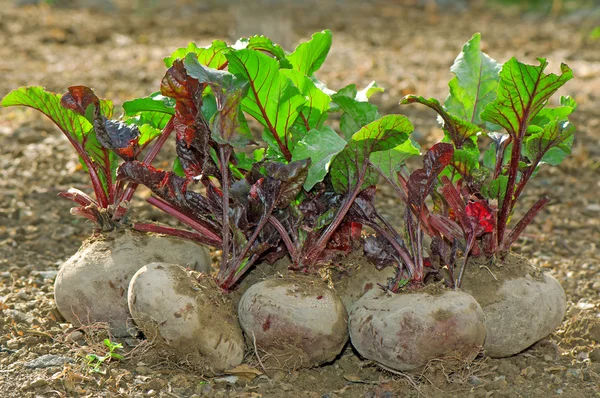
point(284, 236)
point(180, 233)
point(169, 209)
point(224, 155)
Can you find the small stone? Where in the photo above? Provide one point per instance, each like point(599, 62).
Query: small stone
point(594, 332)
point(12, 344)
point(574, 373)
point(75, 336)
point(150, 393)
point(132, 341)
point(46, 361)
point(23, 295)
point(499, 383)
point(50, 274)
point(37, 383)
point(593, 207)
point(143, 370)
point(286, 387)
point(506, 367)
point(528, 372)
point(595, 355)
point(226, 380)
point(475, 381)
point(548, 358)
point(19, 317)
point(279, 375)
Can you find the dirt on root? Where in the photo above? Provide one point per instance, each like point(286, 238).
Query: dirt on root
point(404, 46)
point(485, 278)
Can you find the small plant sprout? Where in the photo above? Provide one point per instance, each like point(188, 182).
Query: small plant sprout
point(96, 361)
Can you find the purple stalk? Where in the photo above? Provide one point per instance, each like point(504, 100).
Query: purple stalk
point(321, 243)
point(210, 236)
point(284, 236)
point(78, 197)
point(524, 222)
point(224, 155)
point(180, 233)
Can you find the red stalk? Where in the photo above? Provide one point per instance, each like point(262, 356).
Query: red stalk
point(284, 236)
point(524, 222)
point(161, 229)
point(167, 208)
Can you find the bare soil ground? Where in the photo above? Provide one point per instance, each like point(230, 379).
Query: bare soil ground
point(407, 49)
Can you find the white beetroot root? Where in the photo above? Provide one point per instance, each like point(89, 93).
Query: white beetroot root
point(405, 331)
point(188, 319)
point(297, 322)
point(91, 286)
point(522, 305)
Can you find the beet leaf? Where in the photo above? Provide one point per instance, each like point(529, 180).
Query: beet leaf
point(523, 92)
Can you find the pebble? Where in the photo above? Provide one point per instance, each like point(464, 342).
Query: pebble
point(475, 381)
point(19, 317)
point(506, 367)
point(499, 383)
point(75, 336)
point(594, 332)
point(46, 361)
point(595, 355)
point(12, 343)
point(143, 370)
point(37, 383)
point(49, 274)
point(574, 373)
point(528, 372)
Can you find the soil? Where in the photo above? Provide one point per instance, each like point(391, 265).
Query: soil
point(404, 46)
point(484, 280)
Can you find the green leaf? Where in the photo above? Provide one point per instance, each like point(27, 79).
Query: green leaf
point(212, 56)
point(245, 163)
point(155, 102)
point(319, 145)
point(76, 127)
point(389, 162)
point(552, 144)
point(70, 123)
point(351, 166)
point(463, 165)
point(178, 168)
point(308, 57)
point(317, 103)
point(154, 110)
point(522, 93)
point(459, 131)
point(263, 43)
point(325, 219)
point(357, 114)
point(496, 189)
point(475, 82)
point(547, 115)
point(147, 134)
point(227, 124)
point(272, 98)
